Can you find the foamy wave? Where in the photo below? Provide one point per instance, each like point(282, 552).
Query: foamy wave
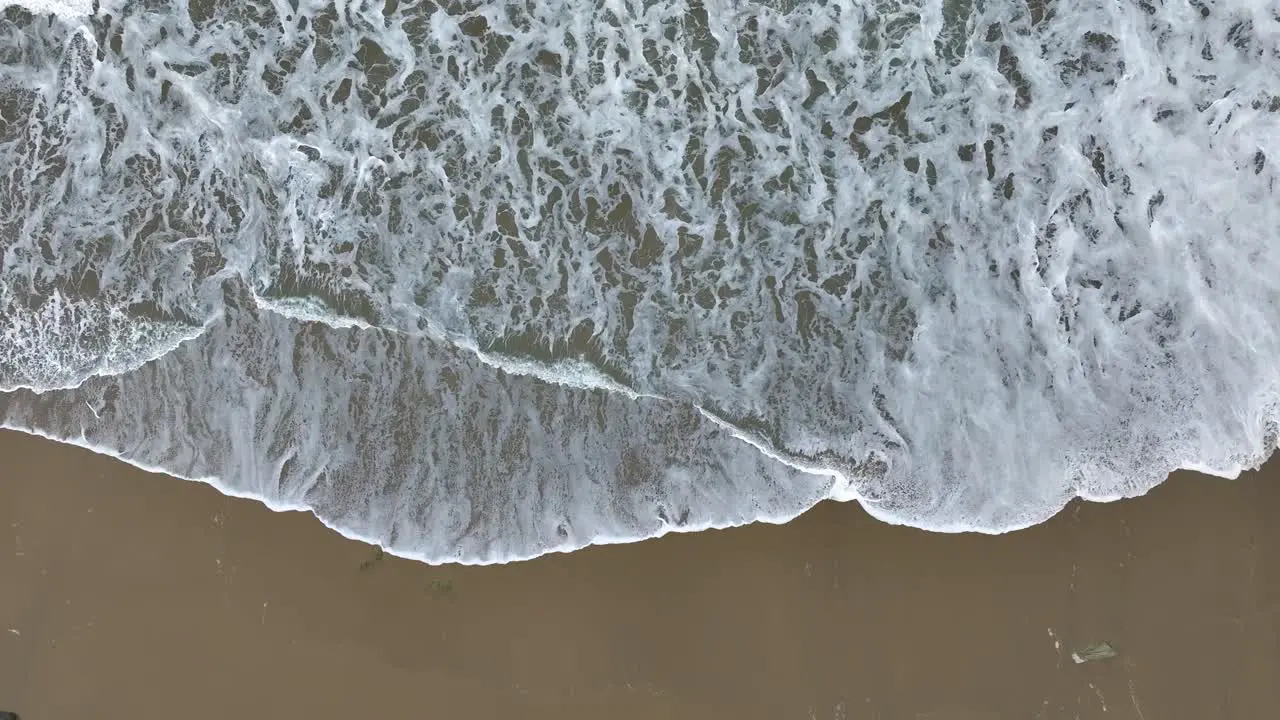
point(962, 262)
point(308, 309)
point(57, 342)
point(415, 445)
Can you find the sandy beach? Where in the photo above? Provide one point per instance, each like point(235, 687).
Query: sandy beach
point(136, 596)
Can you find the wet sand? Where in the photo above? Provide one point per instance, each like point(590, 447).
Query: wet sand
point(136, 596)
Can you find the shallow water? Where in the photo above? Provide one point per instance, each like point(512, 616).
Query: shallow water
point(481, 281)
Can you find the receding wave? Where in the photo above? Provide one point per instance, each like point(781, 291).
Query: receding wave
point(479, 281)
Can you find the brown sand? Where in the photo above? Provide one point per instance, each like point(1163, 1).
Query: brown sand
point(141, 597)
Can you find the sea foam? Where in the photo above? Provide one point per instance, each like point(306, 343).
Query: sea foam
point(57, 8)
point(479, 280)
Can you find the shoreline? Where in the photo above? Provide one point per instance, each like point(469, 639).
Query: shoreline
point(138, 597)
point(223, 489)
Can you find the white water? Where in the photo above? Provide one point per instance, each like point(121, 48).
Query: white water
point(483, 281)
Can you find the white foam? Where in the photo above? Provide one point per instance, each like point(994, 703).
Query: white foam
point(416, 446)
point(63, 341)
point(953, 260)
point(309, 309)
point(60, 8)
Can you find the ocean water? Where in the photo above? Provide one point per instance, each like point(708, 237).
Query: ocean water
point(483, 280)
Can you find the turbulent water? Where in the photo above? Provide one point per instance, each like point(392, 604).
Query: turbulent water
point(482, 280)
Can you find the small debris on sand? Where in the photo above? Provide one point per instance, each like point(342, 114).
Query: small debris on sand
point(1093, 653)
